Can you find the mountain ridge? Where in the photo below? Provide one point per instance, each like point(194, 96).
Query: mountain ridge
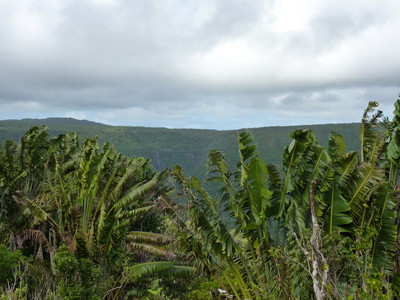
point(55, 120)
point(74, 121)
point(187, 147)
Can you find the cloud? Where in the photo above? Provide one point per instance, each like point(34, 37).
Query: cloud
point(209, 64)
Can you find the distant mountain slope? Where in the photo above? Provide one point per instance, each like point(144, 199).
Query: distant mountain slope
point(185, 147)
point(55, 121)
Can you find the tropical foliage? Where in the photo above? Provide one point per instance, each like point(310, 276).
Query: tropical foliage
point(81, 214)
point(323, 224)
point(80, 221)
point(186, 147)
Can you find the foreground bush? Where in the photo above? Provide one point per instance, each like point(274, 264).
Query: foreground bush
point(322, 225)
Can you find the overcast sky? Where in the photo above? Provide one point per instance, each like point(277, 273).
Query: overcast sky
point(221, 64)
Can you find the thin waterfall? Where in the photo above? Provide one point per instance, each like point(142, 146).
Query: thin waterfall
point(158, 161)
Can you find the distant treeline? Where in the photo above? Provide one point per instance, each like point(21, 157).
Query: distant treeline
point(186, 147)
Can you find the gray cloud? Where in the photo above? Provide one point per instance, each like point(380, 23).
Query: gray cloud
point(209, 64)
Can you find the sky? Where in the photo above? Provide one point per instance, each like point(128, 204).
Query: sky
point(209, 64)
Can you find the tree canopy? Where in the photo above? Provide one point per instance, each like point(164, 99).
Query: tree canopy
point(80, 221)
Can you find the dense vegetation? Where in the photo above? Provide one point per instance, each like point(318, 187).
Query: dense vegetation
point(82, 222)
point(185, 147)
point(78, 220)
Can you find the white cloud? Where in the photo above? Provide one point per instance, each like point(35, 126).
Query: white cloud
point(220, 64)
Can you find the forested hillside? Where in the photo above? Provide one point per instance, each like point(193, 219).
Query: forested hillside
point(79, 220)
point(186, 147)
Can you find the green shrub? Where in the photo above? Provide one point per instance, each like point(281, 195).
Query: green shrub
point(8, 264)
point(78, 277)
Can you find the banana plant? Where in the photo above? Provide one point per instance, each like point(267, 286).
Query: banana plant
point(268, 205)
point(78, 195)
point(235, 228)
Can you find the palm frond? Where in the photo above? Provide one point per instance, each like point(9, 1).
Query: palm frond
point(146, 269)
point(363, 182)
point(33, 207)
point(136, 192)
point(157, 251)
point(385, 245)
point(149, 237)
point(128, 217)
point(336, 215)
point(336, 146)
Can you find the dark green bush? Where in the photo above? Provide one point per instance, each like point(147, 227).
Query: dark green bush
point(78, 277)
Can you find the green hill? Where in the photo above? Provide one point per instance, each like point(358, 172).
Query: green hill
point(185, 147)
